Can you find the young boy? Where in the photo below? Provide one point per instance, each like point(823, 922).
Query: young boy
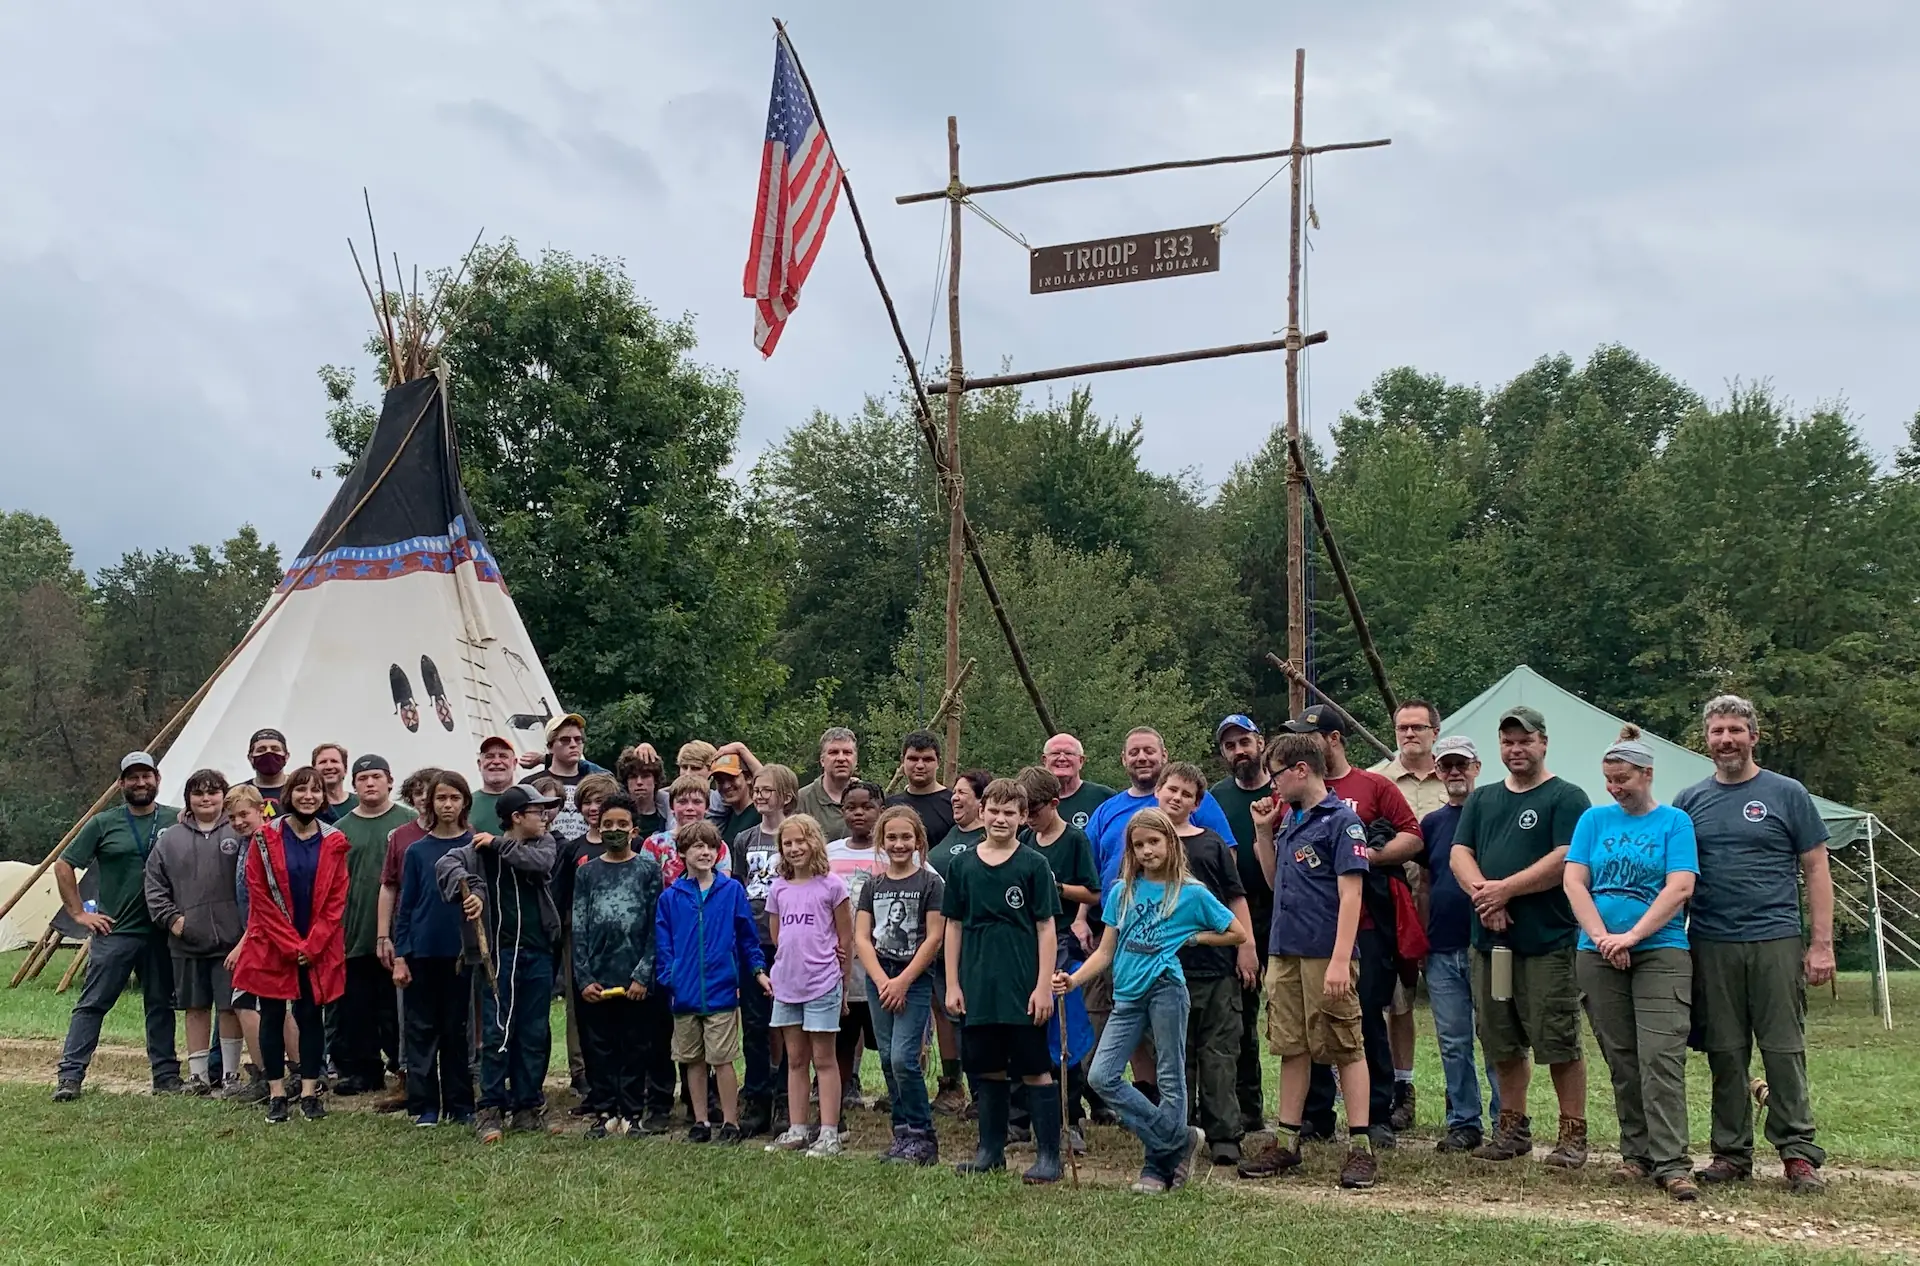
point(706, 942)
point(688, 798)
point(999, 905)
point(615, 900)
point(369, 1024)
point(1069, 855)
point(427, 964)
point(1316, 861)
point(639, 775)
point(1215, 974)
point(855, 859)
point(776, 788)
point(965, 833)
point(190, 892)
point(569, 857)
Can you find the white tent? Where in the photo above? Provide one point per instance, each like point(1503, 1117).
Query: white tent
point(27, 922)
point(392, 633)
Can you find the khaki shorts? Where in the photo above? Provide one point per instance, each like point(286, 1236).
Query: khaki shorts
point(1543, 1016)
point(707, 1039)
point(1300, 1018)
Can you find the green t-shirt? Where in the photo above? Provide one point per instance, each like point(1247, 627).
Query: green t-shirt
point(956, 843)
point(483, 816)
point(999, 909)
point(366, 855)
point(1237, 803)
point(115, 842)
point(1079, 806)
point(1071, 859)
point(1507, 832)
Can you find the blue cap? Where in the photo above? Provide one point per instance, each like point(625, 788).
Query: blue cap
point(1238, 721)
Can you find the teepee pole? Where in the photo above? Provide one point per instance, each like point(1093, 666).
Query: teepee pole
point(185, 710)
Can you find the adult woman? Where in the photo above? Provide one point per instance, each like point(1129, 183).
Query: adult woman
point(294, 951)
point(1630, 871)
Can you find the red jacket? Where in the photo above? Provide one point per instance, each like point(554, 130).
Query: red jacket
point(269, 966)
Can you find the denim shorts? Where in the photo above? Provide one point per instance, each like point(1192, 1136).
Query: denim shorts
point(822, 1015)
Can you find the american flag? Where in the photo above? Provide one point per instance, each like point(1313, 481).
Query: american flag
point(799, 188)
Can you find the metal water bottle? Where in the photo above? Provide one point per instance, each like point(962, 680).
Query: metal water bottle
point(1502, 973)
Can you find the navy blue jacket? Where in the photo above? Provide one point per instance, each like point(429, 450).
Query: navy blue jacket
point(704, 948)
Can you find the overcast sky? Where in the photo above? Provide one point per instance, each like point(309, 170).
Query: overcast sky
point(1726, 187)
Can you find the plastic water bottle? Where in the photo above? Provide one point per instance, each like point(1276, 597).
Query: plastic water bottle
point(90, 906)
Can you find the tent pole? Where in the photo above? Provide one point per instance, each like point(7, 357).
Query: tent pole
point(1879, 932)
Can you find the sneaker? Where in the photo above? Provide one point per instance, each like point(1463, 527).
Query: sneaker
point(1461, 1138)
point(598, 1130)
point(700, 1132)
point(950, 1100)
point(170, 1086)
point(729, 1134)
point(923, 1148)
point(1148, 1185)
point(1224, 1152)
point(460, 1118)
point(67, 1091)
point(901, 1134)
point(311, 1108)
point(277, 1110)
point(1681, 1188)
point(427, 1119)
point(1270, 1161)
point(1400, 1119)
point(1183, 1169)
point(1570, 1149)
point(794, 1140)
point(1360, 1169)
point(538, 1122)
point(1720, 1171)
point(1802, 1177)
point(658, 1122)
point(1512, 1138)
point(199, 1087)
point(488, 1125)
point(229, 1087)
point(827, 1145)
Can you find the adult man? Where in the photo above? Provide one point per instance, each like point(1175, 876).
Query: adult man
point(124, 940)
point(331, 760)
point(1064, 758)
point(566, 745)
point(839, 756)
point(1144, 756)
point(1242, 750)
point(732, 774)
point(498, 757)
point(267, 754)
point(369, 1022)
point(1449, 978)
point(1756, 829)
point(1374, 800)
point(190, 893)
point(1416, 724)
point(1510, 854)
point(926, 795)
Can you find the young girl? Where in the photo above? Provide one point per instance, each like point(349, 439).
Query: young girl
point(1153, 911)
point(775, 790)
point(812, 927)
point(897, 932)
point(427, 964)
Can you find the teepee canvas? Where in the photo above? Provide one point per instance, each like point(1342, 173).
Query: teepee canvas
point(396, 635)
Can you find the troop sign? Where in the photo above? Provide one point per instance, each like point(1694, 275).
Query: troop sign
point(1109, 261)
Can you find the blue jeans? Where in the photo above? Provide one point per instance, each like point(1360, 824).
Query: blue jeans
point(515, 1037)
point(898, 1037)
point(1450, 992)
point(1162, 1011)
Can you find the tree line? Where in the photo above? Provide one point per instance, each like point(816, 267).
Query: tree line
point(1644, 545)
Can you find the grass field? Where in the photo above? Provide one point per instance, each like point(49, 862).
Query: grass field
point(127, 1178)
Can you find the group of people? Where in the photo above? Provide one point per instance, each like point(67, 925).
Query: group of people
point(1039, 935)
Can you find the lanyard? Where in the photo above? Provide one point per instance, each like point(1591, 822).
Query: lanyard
point(153, 828)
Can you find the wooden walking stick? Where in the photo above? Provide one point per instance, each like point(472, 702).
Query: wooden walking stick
point(1066, 1130)
point(480, 934)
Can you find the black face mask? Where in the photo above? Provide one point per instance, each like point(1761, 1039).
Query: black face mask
point(268, 764)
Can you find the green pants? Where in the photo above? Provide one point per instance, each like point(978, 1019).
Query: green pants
point(1640, 1018)
point(1213, 1055)
point(1754, 993)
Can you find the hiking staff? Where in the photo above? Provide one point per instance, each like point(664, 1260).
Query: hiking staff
point(480, 935)
point(1073, 1158)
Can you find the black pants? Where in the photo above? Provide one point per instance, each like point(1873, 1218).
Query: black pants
point(369, 1033)
point(313, 1034)
point(617, 1040)
point(1247, 1076)
point(1376, 995)
point(756, 1020)
point(656, 1052)
point(439, 1042)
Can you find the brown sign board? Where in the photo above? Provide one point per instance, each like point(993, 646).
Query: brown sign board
point(1113, 261)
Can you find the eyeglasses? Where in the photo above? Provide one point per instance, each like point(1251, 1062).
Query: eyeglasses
point(1413, 728)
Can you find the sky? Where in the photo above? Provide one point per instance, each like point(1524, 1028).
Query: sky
point(1725, 187)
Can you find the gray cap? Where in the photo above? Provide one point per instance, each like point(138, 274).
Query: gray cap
point(138, 760)
point(1456, 745)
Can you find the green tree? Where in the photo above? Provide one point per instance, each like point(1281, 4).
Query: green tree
point(32, 552)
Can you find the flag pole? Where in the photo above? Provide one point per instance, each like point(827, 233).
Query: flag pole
point(922, 407)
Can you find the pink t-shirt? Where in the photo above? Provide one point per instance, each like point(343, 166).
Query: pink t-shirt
point(807, 965)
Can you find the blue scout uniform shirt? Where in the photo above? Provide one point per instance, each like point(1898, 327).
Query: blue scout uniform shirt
point(1316, 848)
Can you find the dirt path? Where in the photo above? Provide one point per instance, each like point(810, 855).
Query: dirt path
point(1415, 1181)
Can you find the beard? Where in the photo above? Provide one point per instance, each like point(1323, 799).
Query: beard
point(140, 797)
point(1730, 760)
point(1246, 767)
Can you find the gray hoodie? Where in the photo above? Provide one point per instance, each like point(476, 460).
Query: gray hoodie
point(190, 873)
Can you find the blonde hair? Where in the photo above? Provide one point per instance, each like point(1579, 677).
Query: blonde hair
point(786, 784)
point(244, 794)
point(816, 841)
point(901, 813)
point(696, 752)
point(1152, 819)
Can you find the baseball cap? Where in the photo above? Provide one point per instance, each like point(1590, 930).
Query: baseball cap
point(517, 799)
point(1455, 745)
point(728, 764)
point(565, 718)
point(1528, 719)
point(1321, 718)
point(1237, 721)
point(371, 761)
point(496, 740)
point(266, 732)
point(138, 760)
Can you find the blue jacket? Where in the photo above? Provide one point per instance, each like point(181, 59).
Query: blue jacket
point(705, 947)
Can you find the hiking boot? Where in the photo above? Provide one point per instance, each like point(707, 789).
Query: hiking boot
point(390, 1103)
point(1148, 1184)
point(1570, 1149)
point(1224, 1152)
point(700, 1132)
point(538, 1122)
point(311, 1108)
point(1802, 1177)
point(598, 1130)
point(277, 1110)
point(1270, 1161)
point(728, 1135)
point(1630, 1171)
point(827, 1146)
point(1719, 1171)
point(950, 1100)
point(199, 1087)
point(1461, 1138)
point(170, 1086)
point(67, 1091)
point(1360, 1169)
point(1680, 1187)
point(1512, 1138)
point(1183, 1168)
point(255, 1090)
point(488, 1125)
point(1400, 1119)
point(793, 1140)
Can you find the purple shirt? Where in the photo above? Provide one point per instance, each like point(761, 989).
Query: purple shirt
point(807, 965)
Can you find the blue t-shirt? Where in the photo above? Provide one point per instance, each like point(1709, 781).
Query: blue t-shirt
point(1449, 911)
point(1316, 848)
point(303, 868)
point(1149, 939)
point(1629, 859)
point(1752, 836)
point(1107, 828)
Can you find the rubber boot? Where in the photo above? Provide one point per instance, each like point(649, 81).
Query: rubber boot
point(991, 1153)
point(1045, 1104)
